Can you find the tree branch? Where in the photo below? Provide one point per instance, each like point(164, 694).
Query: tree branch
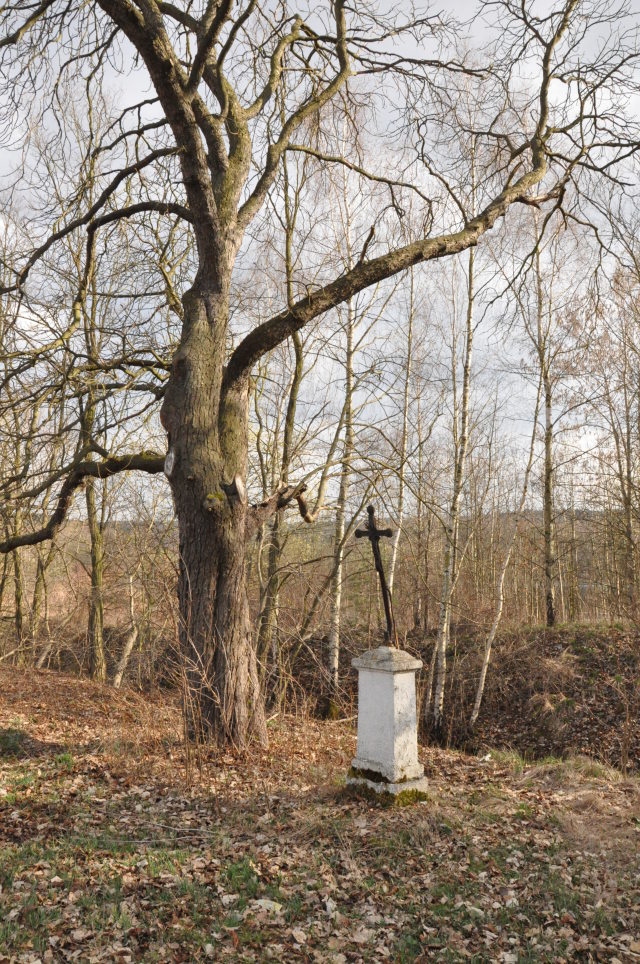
point(306, 110)
point(143, 462)
point(357, 169)
point(89, 214)
point(265, 337)
point(25, 26)
point(257, 515)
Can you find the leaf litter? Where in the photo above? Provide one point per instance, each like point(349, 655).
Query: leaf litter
point(118, 845)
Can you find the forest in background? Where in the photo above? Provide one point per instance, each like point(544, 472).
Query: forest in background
point(499, 439)
point(268, 270)
point(326, 270)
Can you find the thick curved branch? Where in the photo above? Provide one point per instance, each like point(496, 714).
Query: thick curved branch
point(265, 337)
point(180, 16)
point(142, 462)
point(275, 69)
point(143, 207)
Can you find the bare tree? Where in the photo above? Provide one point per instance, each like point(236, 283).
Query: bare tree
point(499, 603)
point(206, 148)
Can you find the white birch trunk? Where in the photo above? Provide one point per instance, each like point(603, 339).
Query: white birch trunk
point(448, 577)
point(338, 539)
point(403, 444)
point(129, 642)
point(503, 570)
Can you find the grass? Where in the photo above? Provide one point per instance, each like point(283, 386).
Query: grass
point(12, 740)
point(160, 869)
point(241, 877)
point(65, 761)
point(511, 759)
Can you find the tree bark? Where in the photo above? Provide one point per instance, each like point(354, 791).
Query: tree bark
point(268, 622)
point(341, 511)
point(129, 642)
point(3, 579)
point(403, 441)
point(206, 466)
point(18, 595)
point(95, 624)
point(451, 535)
point(548, 522)
point(39, 602)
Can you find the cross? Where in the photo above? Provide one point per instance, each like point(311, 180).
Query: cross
point(373, 534)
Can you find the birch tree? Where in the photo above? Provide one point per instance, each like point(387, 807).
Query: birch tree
point(499, 603)
point(206, 147)
point(404, 432)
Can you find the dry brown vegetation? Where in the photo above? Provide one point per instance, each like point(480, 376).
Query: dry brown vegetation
point(117, 844)
point(574, 690)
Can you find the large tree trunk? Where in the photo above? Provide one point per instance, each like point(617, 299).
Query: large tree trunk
point(206, 465)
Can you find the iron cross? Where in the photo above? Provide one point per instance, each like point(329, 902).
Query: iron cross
point(373, 534)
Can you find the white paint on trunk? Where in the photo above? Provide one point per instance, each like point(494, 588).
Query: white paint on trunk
point(169, 463)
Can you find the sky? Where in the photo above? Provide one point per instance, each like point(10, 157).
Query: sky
point(496, 359)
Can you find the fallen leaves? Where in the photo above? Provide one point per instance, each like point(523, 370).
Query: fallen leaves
point(112, 857)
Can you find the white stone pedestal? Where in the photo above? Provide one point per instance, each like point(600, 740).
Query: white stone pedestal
point(387, 755)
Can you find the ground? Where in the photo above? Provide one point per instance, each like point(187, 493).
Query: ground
point(117, 845)
point(570, 690)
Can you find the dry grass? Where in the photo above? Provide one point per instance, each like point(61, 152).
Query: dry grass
point(108, 853)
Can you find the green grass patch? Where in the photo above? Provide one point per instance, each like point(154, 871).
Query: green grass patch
point(65, 761)
point(12, 741)
point(524, 811)
point(242, 878)
point(509, 758)
point(562, 894)
point(408, 948)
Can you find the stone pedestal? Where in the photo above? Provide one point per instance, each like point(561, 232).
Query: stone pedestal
point(387, 755)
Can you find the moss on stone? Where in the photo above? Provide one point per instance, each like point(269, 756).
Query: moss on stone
point(384, 797)
point(373, 775)
point(406, 797)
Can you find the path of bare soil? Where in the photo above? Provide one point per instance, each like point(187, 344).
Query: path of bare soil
point(114, 845)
